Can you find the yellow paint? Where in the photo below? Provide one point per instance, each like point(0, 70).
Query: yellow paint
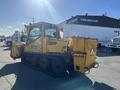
point(15, 50)
point(35, 46)
point(47, 45)
point(57, 46)
point(80, 46)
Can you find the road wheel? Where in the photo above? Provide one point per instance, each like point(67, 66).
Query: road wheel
point(33, 61)
point(58, 67)
point(114, 49)
point(23, 59)
point(44, 64)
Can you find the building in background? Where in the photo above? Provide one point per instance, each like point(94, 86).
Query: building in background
point(102, 27)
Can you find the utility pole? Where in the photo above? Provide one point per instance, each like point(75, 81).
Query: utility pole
point(33, 20)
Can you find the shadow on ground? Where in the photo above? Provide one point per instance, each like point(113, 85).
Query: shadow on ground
point(107, 52)
point(29, 79)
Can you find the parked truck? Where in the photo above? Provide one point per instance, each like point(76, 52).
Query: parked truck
point(8, 41)
point(46, 49)
point(115, 46)
point(2, 38)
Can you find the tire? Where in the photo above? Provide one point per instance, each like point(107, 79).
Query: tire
point(114, 49)
point(58, 66)
point(44, 63)
point(33, 62)
point(23, 59)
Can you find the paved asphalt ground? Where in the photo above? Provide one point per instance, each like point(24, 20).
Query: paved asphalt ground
point(17, 76)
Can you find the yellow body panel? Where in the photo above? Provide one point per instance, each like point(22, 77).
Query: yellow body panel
point(35, 46)
point(91, 48)
point(47, 45)
point(76, 44)
point(84, 50)
point(57, 45)
point(15, 50)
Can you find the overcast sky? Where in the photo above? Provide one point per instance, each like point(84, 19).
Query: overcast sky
point(13, 13)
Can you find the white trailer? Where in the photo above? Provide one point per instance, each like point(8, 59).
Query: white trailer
point(104, 34)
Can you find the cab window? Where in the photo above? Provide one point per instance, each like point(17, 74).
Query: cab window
point(34, 34)
point(51, 33)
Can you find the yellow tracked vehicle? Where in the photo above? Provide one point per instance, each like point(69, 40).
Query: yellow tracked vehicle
point(47, 49)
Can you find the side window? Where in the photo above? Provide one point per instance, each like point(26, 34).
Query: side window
point(34, 34)
point(52, 33)
point(24, 38)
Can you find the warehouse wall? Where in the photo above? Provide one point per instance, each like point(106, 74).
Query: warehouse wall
point(103, 34)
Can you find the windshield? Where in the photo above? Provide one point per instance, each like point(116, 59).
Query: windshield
point(34, 34)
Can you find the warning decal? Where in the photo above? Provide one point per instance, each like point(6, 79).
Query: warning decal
point(92, 52)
